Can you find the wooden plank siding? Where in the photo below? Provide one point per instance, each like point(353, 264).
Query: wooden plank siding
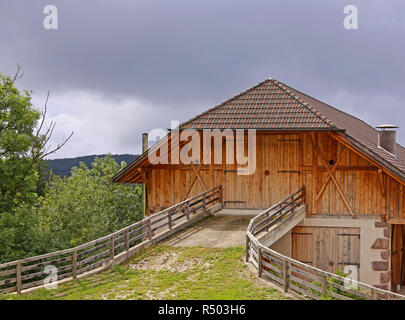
point(326, 248)
point(284, 163)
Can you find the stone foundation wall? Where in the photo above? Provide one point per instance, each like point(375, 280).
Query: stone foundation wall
point(382, 265)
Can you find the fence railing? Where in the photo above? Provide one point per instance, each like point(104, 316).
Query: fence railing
point(101, 253)
point(295, 276)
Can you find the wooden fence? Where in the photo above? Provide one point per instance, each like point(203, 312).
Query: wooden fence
point(295, 276)
point(114, 248)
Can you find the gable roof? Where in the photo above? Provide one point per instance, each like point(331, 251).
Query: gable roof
point(264, 106)
point(272, 105)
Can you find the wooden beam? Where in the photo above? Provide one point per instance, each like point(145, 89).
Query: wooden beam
point(189, 188)
point(197, 173)
point(301, 157)
point(341, 168)
point(344, 141)
point(335, 182)
point(396, 221)
point(331, 173)
point(401, 201)
point(383, 193)
point(381, 178)
point(143, 177)
point(314, 179)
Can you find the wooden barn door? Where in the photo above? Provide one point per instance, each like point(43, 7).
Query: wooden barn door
point(236, 189)
point(329, 249)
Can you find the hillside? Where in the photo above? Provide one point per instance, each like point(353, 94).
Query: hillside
point(61, 167)
point(166, 272)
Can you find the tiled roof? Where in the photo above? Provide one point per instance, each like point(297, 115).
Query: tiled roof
point(355, 128)
point(272, 105)
point(265, 106)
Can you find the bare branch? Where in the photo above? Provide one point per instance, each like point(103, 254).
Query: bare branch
point(44, 111)
point(59, 146)
point(18, 74)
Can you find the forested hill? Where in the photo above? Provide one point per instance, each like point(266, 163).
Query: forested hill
point(61, 167)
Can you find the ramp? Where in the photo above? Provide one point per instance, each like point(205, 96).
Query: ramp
point(278, 231)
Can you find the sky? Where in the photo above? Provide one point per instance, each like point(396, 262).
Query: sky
point(118, 68)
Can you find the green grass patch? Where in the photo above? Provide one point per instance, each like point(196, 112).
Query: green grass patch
point(165, 272)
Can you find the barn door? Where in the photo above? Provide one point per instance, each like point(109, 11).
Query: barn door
point(236, 187)
point(236, 192)
point(329, 249)
point(288, 158)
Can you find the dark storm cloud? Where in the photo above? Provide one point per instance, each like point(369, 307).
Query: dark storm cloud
point(177, 58)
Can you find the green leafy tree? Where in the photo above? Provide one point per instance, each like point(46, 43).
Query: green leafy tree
point(18, 120)
point(23, 146)
point(87, 205)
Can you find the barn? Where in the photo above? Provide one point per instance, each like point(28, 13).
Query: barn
point(281, 141)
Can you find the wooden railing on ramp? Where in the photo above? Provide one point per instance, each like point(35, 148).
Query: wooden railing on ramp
point(106, 251)
point(295, 276)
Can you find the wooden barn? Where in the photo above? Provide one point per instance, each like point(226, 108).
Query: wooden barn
point(353, 176)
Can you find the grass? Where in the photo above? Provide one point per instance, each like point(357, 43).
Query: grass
point(165, 272)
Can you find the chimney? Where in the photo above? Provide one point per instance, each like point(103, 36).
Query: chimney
point(387, 138)
point(144, 142)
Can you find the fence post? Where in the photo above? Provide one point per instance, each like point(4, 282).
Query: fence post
point(74, 265)
point(260, 262)
point(150, 234)
point(205, 202)
point(374, 295)
point(221, 195)
point(286, 275)
point(112, 248)
point(18, 277)
point(127, 240)
point(188, 211)
point(324, 287)
point(169, 215)
point(247, 248)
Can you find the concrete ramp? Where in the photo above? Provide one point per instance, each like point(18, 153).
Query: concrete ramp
point(225, 229)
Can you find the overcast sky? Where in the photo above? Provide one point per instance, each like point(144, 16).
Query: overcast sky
point(118, 68)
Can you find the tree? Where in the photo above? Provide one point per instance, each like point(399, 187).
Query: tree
point(23, 145)
point(87, 205)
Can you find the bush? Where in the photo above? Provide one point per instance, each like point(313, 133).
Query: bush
point(87, 205)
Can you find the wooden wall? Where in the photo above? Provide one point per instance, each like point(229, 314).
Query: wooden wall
point(395, 201)
point(284, 163)
point(329, 249)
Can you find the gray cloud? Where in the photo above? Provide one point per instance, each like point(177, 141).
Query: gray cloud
point(143, 63)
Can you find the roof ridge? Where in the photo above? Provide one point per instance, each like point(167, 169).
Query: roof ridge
point(304, 103)
point(332, 107)
point(226, 101)
point(341, 111)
